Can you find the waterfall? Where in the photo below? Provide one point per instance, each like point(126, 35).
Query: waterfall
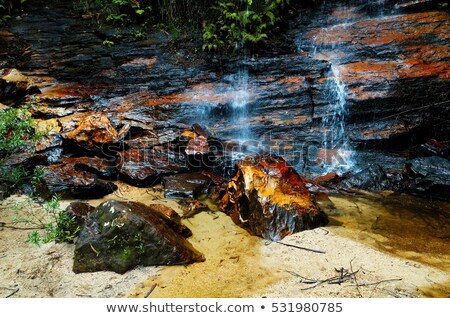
point(339, 156)
point(336, 153)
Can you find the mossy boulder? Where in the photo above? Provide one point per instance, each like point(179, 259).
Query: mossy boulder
point(119, 236)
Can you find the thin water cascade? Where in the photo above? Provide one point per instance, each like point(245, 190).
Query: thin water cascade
point(339, 155)
point(336, 153)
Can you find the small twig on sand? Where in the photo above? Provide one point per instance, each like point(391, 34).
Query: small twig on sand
point(152, 288)
point(5, 225)
point(326, 231)
point(12, 293)
point(343, 276)
point(356, 279)
point(296, 246)
point(379, 282)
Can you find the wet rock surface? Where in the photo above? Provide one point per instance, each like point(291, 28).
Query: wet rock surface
point(186, 185)
point(67, 180)
point(137, 101)
point(143, 167)
point(14, 85)
point(430, 177)
point(122, 235)
point(269, 199)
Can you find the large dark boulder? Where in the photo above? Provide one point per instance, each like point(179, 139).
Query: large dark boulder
point(268, 198)
point(122, 235)
point(430, 177)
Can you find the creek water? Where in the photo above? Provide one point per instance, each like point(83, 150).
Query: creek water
point(409, 227)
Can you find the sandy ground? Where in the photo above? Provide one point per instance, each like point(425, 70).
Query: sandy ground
point(237, 264)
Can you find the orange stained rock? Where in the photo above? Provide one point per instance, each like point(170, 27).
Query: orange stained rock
point(96, 128)
point(189, 134)
point(370, 71)
point(61, 90)
point(392, 130)
point(292, 83)
point(417, 68)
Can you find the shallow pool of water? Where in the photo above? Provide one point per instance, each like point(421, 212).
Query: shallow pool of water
point(409, 227)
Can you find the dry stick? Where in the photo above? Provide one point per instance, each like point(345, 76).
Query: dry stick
point(5, 225)
point(355, 279)
point(379, 282)
point(343, 276)
point(300, 248)
point(152, 288)
point(12, 293)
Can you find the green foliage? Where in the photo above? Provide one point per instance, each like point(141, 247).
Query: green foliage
point(17, 133)
point(108, 43)
point(239, 24)
point(17, 130)
point(52, 223)
point(443, 5)
point(7, 8)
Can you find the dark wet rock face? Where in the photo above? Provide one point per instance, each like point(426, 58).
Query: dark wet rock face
point(67, 180)
point(371, 178)
point(430, 177)
point(137, 102)
point(122, 235)
point(102, 167)
point(186, 185)
point(269, 199)
point(143, 167)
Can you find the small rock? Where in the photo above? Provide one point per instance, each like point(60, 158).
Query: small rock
point(192, 207)
point(95, 129)
point(100, 166)
point(185, 185)
point(371, 178)
point(198, 146)
point(431, 177)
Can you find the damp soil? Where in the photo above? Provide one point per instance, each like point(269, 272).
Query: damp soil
point(372, 234)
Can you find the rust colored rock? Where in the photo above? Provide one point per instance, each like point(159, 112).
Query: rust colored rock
point(95, 129)
point(100, 166)
point(14, 85)
point(198, 145)
point(331, 177)
point(192, 207)
point(268, 198)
